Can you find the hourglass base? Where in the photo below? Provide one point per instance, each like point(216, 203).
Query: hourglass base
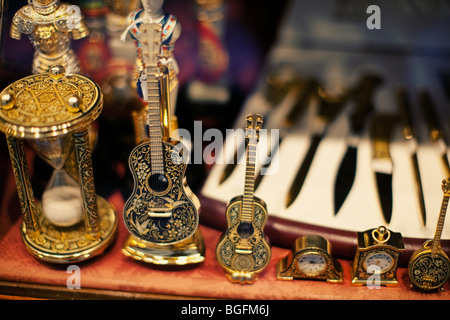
point(72, 244)
point(189, 251)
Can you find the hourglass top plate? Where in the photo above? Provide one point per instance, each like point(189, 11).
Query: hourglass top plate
point(38, 106)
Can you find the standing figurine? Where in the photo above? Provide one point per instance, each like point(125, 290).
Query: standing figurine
point(50, 25)
point(171, 31)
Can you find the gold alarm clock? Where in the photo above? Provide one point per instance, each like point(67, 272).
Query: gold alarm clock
point(377, 257)
point(310, 259)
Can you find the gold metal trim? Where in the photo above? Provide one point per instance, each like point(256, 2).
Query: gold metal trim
point(40, 106)
point(72, 244)
point(189, 251)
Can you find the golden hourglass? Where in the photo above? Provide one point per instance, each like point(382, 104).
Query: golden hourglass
point(52, 112)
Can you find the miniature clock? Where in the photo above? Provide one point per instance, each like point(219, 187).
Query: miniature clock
point(377, 255)
point(310, 258)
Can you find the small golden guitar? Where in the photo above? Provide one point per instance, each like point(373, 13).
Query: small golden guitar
point(243, 250)
point(161, 208)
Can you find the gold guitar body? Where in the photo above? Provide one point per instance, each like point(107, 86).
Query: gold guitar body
point(161, 208)
point(243, 250)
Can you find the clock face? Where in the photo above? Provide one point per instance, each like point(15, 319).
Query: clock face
point(378, 263)
point(312, 264)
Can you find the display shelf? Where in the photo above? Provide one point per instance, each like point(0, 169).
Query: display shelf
point(115, 276)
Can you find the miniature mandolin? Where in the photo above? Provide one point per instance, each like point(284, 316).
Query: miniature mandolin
point(429, 266)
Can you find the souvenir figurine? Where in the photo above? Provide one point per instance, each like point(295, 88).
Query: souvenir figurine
point(171, 30)
point(50, 25)
point(69, 222)
point(429, 266)
point(244, 250)
point(162, 213)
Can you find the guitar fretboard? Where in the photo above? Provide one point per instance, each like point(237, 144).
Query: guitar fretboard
point(249, 188)
point(154, 121)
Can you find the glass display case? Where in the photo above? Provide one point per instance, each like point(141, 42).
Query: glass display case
point(289, 61)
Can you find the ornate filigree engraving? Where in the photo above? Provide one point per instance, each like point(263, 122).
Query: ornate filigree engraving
point(55, 240)
point(178, 217)
point(430, 271)
point(40, 102)
point(86, 175)
point(229, 247)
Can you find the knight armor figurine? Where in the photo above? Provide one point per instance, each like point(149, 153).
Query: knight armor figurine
point(50, 25)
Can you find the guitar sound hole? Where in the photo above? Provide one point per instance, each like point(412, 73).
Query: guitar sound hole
point(158, 182)
point(245, 229)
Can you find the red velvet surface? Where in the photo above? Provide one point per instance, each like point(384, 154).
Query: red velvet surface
point(114, 271)
point(283, 232)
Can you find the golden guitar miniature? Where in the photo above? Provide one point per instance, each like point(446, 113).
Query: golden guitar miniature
point(159, 210)
point(243, 251)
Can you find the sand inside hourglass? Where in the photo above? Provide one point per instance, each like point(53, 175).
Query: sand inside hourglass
point(61, 201)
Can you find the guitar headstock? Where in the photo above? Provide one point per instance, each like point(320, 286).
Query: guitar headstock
point(150, 43)
point(254, 124)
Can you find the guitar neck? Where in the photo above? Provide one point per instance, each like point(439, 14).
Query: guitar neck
point(249, 189)
point(440, 225)
point(154, 121)
point(164, 85)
